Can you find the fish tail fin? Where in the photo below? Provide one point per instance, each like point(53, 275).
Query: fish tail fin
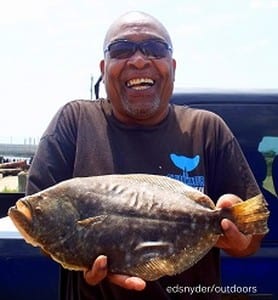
point(251, 215)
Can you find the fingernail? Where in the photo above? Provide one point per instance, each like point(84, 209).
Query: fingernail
point(103, 263)
point(225, 225)
point(137, 284)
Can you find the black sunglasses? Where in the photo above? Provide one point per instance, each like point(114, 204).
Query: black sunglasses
point(122, 49)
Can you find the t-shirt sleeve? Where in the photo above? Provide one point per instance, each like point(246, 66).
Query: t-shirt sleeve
point(230, 171)
point(54, 158)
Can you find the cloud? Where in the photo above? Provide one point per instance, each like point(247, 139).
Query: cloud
point(187, 30)
point(253, 46)
point(260, 4)
point(15, 11)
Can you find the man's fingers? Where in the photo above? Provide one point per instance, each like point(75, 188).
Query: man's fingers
point(232, 238)
point(227, 200)
point(98, 271)
point(127, 282)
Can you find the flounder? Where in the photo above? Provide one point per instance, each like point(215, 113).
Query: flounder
point(147, 225)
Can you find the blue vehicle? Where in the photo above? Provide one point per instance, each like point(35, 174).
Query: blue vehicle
point(253, 118)
point(25, 273)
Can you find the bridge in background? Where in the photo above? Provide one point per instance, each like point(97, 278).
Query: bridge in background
point(17, 150)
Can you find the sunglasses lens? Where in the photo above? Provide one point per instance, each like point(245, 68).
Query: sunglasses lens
point(150, 48)
point(155, 49)
point(121, 49)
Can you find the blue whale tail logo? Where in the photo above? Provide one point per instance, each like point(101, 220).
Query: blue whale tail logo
point(186, 164)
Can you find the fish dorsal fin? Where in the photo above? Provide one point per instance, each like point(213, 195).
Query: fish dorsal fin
point(173, 185)
point(92, 220)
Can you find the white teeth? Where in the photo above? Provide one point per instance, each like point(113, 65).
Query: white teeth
point(140, 87)
point(140, 83)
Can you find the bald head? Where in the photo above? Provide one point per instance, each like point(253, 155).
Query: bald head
point(136, 22)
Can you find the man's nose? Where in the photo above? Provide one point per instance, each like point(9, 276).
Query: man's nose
point(138, 60)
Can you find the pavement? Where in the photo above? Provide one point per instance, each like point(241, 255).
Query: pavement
point(8, 182)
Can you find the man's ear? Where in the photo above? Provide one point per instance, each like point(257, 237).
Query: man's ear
point(101, 66)
point(174, 64)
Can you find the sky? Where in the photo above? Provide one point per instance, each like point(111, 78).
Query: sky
point(50, 50)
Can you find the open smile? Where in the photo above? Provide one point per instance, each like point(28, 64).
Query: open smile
point(140, 83)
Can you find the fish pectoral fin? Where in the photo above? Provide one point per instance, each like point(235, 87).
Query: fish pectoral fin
point(92, 220)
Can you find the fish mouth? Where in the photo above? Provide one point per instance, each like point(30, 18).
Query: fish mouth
point(140, 84)
point(21, 215)
point(24, 208)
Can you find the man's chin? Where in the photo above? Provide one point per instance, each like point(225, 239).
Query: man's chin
point(142, 111)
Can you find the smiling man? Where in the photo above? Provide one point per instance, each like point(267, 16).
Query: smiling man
point(136, 130)
point(138, 69)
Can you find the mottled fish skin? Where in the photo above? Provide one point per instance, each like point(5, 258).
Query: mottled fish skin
point(147, 225)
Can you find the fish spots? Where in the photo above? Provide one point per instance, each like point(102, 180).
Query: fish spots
point(153, 225)
point(193, 225)
point(128, 259)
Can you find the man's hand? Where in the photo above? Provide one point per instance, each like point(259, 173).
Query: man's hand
point(99, 271)
point(233, 241)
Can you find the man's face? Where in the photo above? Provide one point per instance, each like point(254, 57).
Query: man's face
point(140, 86)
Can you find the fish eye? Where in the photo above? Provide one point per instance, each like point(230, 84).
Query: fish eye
point(38, 210)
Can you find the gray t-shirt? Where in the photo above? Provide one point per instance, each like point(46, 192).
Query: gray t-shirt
point(190, 145)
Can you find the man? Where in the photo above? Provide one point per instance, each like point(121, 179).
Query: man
point(136, 131)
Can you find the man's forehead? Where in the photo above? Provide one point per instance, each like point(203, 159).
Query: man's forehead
point(136, 26)
point(137, 30)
